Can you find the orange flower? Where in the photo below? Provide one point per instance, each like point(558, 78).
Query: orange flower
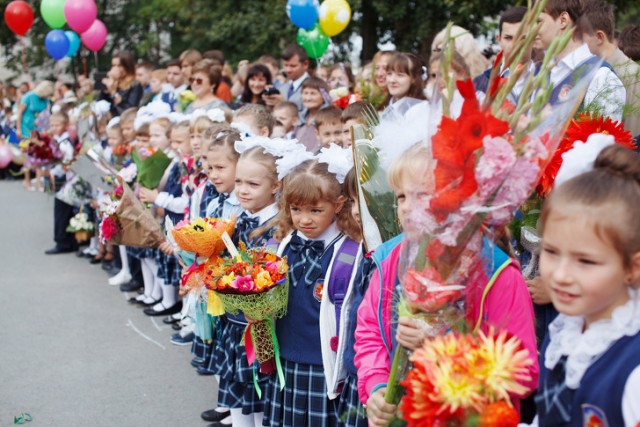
point(499, 414)
point(579, 130)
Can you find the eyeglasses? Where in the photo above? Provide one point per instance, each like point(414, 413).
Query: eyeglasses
point(198, 80)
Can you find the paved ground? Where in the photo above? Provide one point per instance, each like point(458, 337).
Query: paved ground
point(72, 351)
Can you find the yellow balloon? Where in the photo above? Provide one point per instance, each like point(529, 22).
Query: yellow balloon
point(334, 16)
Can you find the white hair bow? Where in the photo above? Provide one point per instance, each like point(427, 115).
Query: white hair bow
point(216, 115)
point(278, 147)
point(581, 158)
point(293, 159)
point(113, 122)
point(100, 108)
point(340, 160)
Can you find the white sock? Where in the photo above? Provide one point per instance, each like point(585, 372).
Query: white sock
point(156, 294)
point(148, 276)
point(125, 260)
point(169, 295)
point(257, 418)
point(93, 243)
point(238, 419)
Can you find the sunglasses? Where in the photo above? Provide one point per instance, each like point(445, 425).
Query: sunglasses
point(198, 80)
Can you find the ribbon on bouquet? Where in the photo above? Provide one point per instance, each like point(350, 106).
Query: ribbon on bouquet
point(251, 353)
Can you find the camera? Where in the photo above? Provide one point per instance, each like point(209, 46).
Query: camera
point(271, 91)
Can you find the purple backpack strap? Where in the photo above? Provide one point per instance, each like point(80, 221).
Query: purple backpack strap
point(272, 244)
point(341, 275)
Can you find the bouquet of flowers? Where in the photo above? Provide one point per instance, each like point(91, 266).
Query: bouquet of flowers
point(465, 380)
point(41, 149)
point(121, 154)
point(481, 167)
point(150, 165)
point(76, 192)
point(81, 226)
point(255, 282)
point(200, 242)
point(185, 98)
point(128, 222)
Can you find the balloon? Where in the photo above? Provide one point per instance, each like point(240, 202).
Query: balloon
point(52, 12)
point(303, 13)
point(95, 37)
point(334, 16)
point(74, 43)
point(57, 44)
point(80, 14)
point(315, 42)
point(19, 17)
point(6, 155)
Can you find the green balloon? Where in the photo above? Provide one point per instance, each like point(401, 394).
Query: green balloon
point(314, 41)
point(52, 12)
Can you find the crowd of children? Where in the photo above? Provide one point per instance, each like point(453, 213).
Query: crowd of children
point(270, 150)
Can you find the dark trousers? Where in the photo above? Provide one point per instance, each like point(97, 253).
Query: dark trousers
point(62, 214)
point(136, 269)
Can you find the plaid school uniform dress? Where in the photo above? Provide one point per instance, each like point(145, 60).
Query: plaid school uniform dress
point(222, 206)
point(303, 402)
point(201, 198)
point(168, 267)
point(236, 388)
point(350, 410)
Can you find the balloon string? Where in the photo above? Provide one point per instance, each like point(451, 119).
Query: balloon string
point(95, 59)
point(24, 55)
point(84, 63)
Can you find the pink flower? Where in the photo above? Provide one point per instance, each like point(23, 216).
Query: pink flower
point(109, 228)
point(494, 165)
point(118, 192)
point(515, 190)
point(244, 284)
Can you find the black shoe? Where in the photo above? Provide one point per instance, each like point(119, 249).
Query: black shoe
point(197, 363)
point(132, 286)
point(204, 371)
point(169, 320)
point(176, 326)
point(107, 265)
point(214, 416)
point(58, 250)
point(171, 310)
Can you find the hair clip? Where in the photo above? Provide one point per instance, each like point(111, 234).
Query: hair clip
point(425, 74)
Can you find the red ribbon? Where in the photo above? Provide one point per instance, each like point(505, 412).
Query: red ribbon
point(248, 345)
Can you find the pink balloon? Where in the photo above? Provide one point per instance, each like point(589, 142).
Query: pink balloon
point(5, 155)
point(95, 37)
point(80, 14)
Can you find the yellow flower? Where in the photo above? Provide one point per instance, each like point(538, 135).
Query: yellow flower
point(226, 280)
point(504, 364)
point(262, 280)
point(187, 96)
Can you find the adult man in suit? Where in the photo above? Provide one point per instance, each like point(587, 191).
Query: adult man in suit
point(295, 66)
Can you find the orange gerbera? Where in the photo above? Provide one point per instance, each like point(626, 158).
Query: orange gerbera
point(579, 130)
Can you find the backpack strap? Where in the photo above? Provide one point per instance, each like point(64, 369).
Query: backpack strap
point(499, 260)
point(341, 272)
point(272, 244)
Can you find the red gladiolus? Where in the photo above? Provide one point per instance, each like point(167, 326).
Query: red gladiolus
point(109, 228)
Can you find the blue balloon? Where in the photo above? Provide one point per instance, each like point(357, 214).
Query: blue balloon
point(57, 44)
point(303, 13)
point(74, 43)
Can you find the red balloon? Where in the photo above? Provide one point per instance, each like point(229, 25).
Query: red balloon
point(19, 17)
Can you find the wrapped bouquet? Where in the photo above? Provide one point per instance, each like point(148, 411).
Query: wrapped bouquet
point(41, 149)
point(127, 221)
point(151, 166)
point(255, 282)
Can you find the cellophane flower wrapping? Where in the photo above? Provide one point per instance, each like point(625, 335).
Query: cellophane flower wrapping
point(132, 224)
point(255, 284)
point(150, 166)
point(466, 380)
point(202, 236)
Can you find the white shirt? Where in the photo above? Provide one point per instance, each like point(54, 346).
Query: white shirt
point(606, 90)
point(264, 214)
point(66, 150)
point(328, 236)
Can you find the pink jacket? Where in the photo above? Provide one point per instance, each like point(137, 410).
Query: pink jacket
point(507, 306)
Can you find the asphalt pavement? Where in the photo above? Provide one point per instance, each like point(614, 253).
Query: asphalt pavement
point(73, 352)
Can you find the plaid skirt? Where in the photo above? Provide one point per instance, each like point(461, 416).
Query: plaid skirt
point(140, 253)
point(168, 268)
point(214, 348)
point(303, 402)
point(236, 376)
point(199, 349)
point(350, 409)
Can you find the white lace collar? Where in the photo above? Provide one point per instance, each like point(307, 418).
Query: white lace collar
point(584, 348)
